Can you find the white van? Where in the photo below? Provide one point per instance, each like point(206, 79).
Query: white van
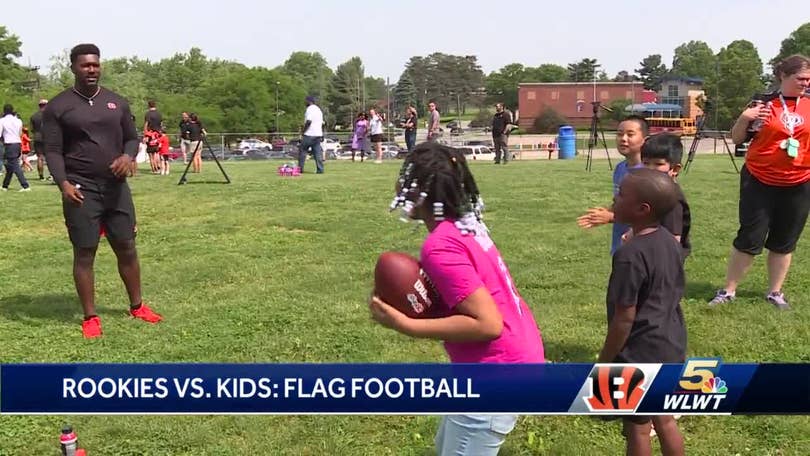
point(478, 153)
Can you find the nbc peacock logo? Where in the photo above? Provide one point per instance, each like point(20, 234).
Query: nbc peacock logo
point(714, 385)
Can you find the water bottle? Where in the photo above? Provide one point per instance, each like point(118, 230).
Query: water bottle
point(68, 441)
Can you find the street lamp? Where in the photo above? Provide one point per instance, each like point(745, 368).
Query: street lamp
point(277, 85)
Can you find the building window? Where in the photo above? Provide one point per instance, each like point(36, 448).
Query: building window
point(604, 95)
point(672, 91)
point(580, 94)
point(555, 95)
point(531, 95)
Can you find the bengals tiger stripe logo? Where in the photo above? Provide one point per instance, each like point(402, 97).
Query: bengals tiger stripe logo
point(615, 388)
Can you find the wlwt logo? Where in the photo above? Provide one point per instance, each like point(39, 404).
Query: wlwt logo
point(700, 389)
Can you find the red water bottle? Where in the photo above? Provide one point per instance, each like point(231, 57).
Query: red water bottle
point(68, 441)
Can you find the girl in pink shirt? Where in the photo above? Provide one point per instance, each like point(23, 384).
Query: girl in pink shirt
point(487, 321)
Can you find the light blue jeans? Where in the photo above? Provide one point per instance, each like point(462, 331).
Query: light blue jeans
point(474, 435)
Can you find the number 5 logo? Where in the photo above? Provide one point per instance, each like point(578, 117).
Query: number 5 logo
point(698, 371)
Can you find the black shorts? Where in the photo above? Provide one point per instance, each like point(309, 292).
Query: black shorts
point(164, 157)
point(376, 138)
point(771, 217)
point(112, 207)
point(39, 148)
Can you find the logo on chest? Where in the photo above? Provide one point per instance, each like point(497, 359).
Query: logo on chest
point(791, 120)
point(112, 105)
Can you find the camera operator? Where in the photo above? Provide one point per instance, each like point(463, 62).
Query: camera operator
point(501, 125)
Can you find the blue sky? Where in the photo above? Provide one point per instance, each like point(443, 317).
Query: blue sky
point(386, 34)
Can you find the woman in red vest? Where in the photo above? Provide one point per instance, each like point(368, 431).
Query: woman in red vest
point(775, 181)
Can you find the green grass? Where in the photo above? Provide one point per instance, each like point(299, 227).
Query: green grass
point(273, 269)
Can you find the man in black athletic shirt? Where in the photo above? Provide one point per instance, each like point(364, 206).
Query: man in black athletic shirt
point(153, 118)
point(90, 142)
point(39, 146)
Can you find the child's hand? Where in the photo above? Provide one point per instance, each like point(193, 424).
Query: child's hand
point(385, 314)
point(594, 217)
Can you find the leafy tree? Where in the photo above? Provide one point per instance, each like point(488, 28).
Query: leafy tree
point(797, 43)
point(694, 59)
point(348, 91)
point(652, 72)
point(739, 76)
point(583, 71)
point(502, 85)
point(405, 92)
point(312, 70)
point(546, 72)
point(624, 76)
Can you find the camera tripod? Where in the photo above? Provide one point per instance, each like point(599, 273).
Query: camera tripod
point(708, 134)
point(593, 138)
point(193, 154)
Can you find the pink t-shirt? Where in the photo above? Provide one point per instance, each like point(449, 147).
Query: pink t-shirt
point(460, 264)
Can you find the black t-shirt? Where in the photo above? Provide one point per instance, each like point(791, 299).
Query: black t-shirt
point(184, 128)
point(194, 131)
point(82, 141)
point(36, 126)
point(678, 221)
point(153, 119)
point(648, 273)
point(412, 119)
point(499, 122)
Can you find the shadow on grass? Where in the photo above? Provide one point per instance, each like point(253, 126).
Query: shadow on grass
point(52, 306)
point(562, 352)
point(706, 291)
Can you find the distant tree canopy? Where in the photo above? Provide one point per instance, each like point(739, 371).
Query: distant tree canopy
point(232, 97)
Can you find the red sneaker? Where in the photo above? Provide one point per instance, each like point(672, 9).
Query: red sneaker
point(91, 328)
point(145, 313)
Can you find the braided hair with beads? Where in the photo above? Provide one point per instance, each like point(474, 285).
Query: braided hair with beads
point(437, 176)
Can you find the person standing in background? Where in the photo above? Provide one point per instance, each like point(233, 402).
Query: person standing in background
point(39, 146)
point(410, 127)
point(501, 124)
point(434, 129)
point(11, 135)
point(312, 135)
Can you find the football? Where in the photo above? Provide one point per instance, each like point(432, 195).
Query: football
point(400, 281)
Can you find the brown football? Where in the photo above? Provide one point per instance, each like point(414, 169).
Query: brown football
point(400, 281)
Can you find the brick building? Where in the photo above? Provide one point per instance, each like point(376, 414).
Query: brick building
point(573, 99)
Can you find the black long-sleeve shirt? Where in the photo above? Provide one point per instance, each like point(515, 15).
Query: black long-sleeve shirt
point(82, 140)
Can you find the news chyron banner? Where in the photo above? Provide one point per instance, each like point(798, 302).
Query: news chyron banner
point(699, 386)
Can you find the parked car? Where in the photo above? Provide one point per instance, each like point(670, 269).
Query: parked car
point(252, 143)
point(477, 153)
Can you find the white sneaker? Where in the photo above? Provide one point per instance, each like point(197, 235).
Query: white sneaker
point(26, 189)
point(5, 189)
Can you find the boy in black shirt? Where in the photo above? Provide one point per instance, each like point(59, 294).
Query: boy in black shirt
point(663, 152)
point(645, 320)
point(91, 142)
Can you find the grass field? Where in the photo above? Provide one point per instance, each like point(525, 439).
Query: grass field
point(272, 269)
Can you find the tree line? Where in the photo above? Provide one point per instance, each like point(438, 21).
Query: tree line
point(232, 97)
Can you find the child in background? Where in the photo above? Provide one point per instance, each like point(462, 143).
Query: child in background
point(645, 320)
point(164, 153)
point(629, 138)
point(25, 148)
point(664, 152)
point(359, 136)
point(487, 320)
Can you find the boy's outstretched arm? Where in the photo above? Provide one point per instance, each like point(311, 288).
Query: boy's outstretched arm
point(478, 320)
point(618, 332)
point(595, 216)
